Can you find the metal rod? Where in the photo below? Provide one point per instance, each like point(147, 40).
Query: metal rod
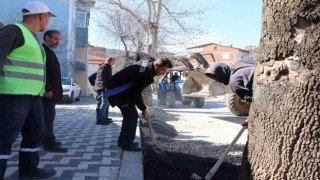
point(214, 169)
point(151, 131)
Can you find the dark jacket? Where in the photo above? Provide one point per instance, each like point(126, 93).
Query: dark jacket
point(221, 71)
point(128, 84)
point(104, 74)
point(241, 80)
point(92, 78)
point(53, 74)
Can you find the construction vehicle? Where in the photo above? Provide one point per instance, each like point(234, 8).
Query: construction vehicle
point(198, 84)
point(169, 92)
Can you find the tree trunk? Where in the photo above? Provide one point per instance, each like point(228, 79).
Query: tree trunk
point(125, 47)
point(284, 126)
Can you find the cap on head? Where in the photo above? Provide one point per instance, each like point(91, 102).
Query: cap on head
point(36, 7)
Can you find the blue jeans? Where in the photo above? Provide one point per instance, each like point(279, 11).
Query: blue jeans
point(102, 106)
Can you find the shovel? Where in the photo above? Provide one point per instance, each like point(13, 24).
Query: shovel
point(214, 169)
point(160, 152)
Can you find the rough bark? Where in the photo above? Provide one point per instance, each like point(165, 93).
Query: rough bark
point(284, 128)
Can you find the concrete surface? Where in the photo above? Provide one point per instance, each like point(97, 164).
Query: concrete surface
point(93, 152)
point(214, 122)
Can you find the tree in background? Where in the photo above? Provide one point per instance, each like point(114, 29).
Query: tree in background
point(284, 126)
point(119, 26)
point(150, 20)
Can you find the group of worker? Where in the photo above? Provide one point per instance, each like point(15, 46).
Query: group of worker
point(30, 87)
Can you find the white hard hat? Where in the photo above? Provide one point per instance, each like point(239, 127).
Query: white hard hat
point(36, 7)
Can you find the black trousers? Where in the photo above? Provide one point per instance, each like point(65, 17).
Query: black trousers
point(129, 124)
point(21, 113)
point(49, 113)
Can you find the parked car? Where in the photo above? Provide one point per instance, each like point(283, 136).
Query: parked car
point(71, 90)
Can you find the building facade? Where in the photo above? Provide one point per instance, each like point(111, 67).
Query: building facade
point(221, 53)
point(82, 15)
point(72, 20)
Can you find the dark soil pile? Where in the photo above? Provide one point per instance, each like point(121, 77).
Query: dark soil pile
point(172, 159)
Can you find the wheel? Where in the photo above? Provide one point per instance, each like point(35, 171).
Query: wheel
point(161, 97)
point(78, 98)
point(236, 105)
point(199, 102)
point(170, 99)
point(70, 100)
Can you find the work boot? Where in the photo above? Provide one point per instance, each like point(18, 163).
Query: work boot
point(57, 149)
point(50, 142)
point(38, 174)
point(55, 143)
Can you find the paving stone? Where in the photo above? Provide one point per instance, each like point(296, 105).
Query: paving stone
point(92, 149)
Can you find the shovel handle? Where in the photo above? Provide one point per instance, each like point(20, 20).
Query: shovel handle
point(151, 131)
point(214, 169)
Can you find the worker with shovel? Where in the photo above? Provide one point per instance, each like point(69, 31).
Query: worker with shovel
point(124, 91)
point(240, 80)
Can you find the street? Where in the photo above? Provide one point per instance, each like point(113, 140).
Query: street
point(214, 122)
point(92, 148)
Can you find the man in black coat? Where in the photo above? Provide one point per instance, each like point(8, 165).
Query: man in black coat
point(124, 91)
point(53, 88)
point(103, 76)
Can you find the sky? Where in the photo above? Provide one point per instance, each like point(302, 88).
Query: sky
point(226, 22)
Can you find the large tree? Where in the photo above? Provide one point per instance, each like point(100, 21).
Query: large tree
point(284, 127)
point(154, 19)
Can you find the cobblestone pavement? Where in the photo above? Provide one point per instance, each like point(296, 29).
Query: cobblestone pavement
point(93, 152)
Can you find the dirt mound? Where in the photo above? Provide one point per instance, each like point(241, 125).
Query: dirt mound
point(162, 115)
point(181, 158)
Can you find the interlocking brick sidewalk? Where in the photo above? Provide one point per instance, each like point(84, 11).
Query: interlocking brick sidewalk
point(93, 152)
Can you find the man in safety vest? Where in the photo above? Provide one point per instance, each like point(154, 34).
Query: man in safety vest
point(22, 83)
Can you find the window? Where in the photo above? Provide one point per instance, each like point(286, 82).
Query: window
point(215, 48)
point(81, 19)
point(225, 56)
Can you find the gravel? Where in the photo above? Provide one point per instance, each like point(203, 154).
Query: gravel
point(179, 159)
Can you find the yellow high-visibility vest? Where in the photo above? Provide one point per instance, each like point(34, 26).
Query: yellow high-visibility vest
point(23, 72)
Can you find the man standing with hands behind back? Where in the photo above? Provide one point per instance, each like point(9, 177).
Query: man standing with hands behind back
point(53, 89)
point(22, 81)
point(103, 76)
